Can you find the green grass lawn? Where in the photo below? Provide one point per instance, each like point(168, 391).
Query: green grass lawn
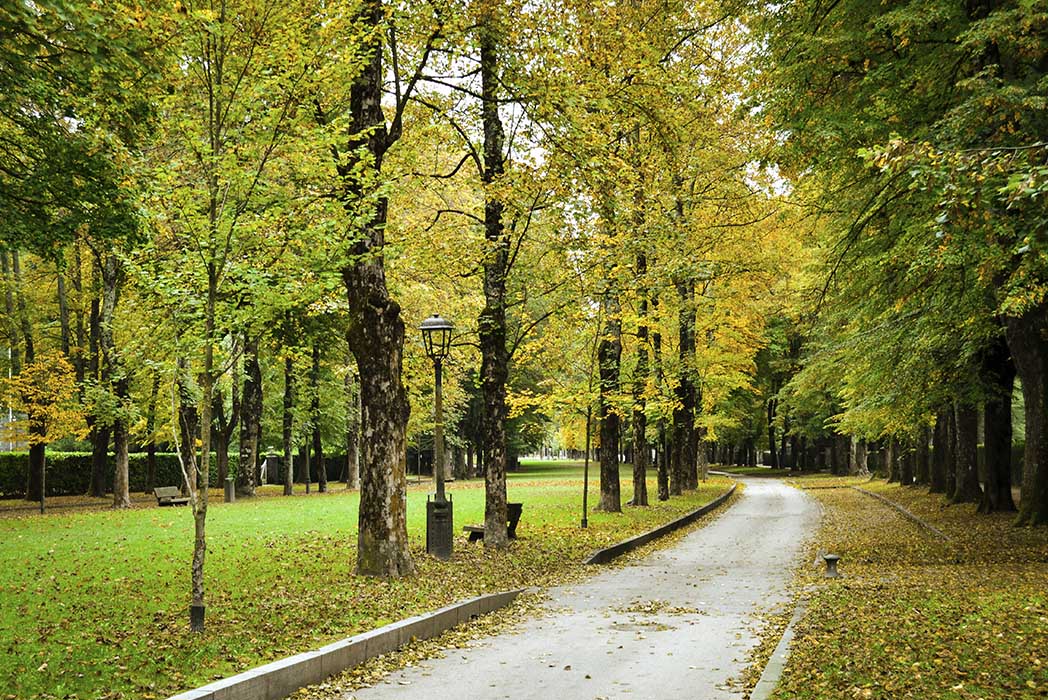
point(95, 604)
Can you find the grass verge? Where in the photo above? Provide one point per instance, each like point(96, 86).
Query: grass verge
point(917, 617)
point(95, 603)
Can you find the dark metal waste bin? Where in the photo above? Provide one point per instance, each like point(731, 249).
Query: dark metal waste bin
point(440, 528)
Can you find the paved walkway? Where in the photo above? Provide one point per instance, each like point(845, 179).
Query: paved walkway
point(677, 624)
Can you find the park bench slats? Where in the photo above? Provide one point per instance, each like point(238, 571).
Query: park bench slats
point(513, 511)
point(169, 496)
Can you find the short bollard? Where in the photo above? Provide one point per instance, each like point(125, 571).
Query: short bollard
point(831, 565)
point(230, 490)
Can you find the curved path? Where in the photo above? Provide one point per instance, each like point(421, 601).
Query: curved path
point(676, 624)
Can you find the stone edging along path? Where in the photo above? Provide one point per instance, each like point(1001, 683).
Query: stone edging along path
point(279, 679)
point(603, 556)
point(906, 513)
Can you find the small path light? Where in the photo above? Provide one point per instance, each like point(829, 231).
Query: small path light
point(440, 526)
point(831, 565)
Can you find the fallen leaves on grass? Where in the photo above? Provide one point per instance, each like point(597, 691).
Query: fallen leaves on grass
point(916, 617)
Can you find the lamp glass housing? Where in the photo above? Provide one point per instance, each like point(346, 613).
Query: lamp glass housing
point(436, 337)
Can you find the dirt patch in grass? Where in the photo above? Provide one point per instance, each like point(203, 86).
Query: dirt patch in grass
point(917, 617)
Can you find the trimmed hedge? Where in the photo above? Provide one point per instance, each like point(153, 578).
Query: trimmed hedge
point(69, 473)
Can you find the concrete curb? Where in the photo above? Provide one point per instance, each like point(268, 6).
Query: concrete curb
point(279, 679)
point(777, 661)
point(905, 512)
point(603, 556)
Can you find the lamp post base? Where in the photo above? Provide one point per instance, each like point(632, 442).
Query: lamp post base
point(440, 528)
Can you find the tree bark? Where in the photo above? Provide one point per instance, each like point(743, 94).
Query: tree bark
point(154, 394)
point(640, 385)
point(492, 323)
point(318, 445)
point(98, 371)
point(921, 462)
point(891, 460)
point(966, 484)
point(906, 465)
point(1029, 348)
point(188, 423)
point(250, 420)
point(609, 357)
point(376, 330)
point(999, 372)
point(950, 453)
point(940, 438)
point(288, 424)
point(684, 416)
point(859, 466)
point(352, 433)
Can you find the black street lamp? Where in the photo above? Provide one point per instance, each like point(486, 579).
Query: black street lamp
point(436, 337)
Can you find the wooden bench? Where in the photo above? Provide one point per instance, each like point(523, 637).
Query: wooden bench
point(169, 496)
point(513, 511)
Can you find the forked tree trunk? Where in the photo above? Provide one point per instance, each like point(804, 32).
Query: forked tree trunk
point(966, 485)
point(494, 368)
point(1029, 347)
point(999, 371)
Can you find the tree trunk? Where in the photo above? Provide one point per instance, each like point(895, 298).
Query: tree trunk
point(188, 423)
point(99, 429)
point(318, 446)
point(352, 432)
point(288, 424)
point(664, 465)
point(921, 466)
point(609, 357)
point(250, 420)
point(687, 395)
point(121, 479)
point(640, 385)
point(950, 454)
point(492, 322)
point(112, 276)
point(376, 330)
point(859, 466)
point(773, 453)
point(906, 459)
point(999, 372)
point(966, 486)
point(1029, 348)
point(891, 460)
point(151, 434)
point(940, 438)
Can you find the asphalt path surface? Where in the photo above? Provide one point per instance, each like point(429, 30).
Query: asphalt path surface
point(676, 624)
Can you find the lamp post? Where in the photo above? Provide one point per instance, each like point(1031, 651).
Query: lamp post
point(436, 337)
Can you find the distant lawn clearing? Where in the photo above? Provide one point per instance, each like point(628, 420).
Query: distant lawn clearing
point(95, 603)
